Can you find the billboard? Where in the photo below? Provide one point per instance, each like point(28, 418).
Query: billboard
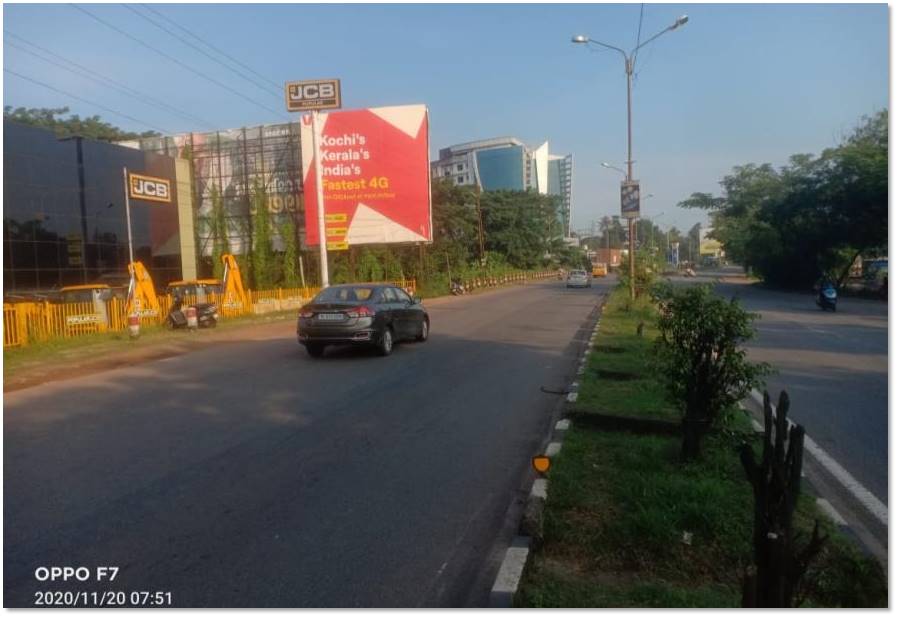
point(375, 174)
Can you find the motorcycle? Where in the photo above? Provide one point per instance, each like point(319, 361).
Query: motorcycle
point(827, 298)
point(457, 289)
point(206, 315)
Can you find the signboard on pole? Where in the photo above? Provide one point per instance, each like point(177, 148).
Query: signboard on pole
point(314, 94)
point(149, 188)
point(375, 174)
point(630, 199)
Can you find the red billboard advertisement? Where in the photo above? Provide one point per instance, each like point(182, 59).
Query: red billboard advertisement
point(376, 176)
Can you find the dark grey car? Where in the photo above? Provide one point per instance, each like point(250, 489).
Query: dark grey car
point(361, 314)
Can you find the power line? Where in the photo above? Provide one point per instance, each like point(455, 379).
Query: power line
point(87, 73)
point(638, 39)
point(202, 51)
point(176, 61)
point(210, 46)
point(83, 100)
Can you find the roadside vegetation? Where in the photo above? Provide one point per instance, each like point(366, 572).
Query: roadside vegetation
point(816, 215)
point(631, 522)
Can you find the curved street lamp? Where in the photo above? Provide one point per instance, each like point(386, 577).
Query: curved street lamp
point(629, 60)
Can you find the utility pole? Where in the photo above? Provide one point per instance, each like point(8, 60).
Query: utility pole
point(630, 62)
point(480, 231)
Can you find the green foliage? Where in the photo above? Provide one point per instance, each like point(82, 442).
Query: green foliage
point(700, 355)
point(812, 216)
point(263, 262)
point(290, 268)
point(522, 225)
point(647, 265)
point(220, 242)
point(92, 127)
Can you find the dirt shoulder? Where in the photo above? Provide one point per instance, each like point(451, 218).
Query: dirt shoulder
point(37, 364)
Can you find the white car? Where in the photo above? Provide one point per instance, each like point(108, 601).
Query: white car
point(579, 278)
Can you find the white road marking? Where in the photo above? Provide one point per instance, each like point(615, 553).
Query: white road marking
point(511, 570)
point(829, 509)
point(859, 492)
point(562, 425)
point(571, 398)
point(540, 489)
point(553, 449)
point(574, 385)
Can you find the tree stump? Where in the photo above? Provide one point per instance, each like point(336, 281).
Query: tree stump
point(779, 566)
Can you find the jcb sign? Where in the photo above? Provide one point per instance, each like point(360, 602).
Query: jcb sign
point(317, 94)
point(149, 188)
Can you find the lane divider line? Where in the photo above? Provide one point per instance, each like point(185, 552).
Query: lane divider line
point(853, 486)
point(829, 509)
point(553, 449)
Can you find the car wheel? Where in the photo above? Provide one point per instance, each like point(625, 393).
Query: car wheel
point(315, 350)
point(384, 346)
point(424, 331)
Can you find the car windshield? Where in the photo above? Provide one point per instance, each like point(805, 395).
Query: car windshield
point(343, 295)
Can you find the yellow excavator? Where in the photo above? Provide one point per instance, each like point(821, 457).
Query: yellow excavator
point(234, 299)
point(142, 298)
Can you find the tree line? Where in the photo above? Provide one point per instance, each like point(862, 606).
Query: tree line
point(520, 230)
point(812, 217)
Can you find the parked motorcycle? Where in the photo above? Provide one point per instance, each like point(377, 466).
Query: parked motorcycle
point(457, 289)
point(206, 314)
point(827, 298)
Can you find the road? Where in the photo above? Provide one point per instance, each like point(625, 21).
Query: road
point(249, 474)
point(834, 367)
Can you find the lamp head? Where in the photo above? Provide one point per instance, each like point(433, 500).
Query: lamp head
point(680, 21)
point(580, 38)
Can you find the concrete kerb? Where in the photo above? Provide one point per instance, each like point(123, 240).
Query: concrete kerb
point(513, 565)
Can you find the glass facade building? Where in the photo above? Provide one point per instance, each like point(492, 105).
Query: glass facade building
point(64, 213)
point(501, 168)
point(506, 163)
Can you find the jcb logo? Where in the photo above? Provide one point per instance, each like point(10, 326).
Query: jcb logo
point(149, 188)
point(318, 94)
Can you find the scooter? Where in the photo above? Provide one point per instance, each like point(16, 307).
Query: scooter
point(206, 315)
point(827, 298)
point(457, 289)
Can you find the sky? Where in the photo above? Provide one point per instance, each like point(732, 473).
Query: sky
point(737, 84)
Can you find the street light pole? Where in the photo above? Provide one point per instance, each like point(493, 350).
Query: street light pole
point(629, 60)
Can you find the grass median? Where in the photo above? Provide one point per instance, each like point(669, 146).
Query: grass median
point(627, 524)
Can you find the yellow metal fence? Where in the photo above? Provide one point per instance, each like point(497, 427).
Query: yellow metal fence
point(25, 323)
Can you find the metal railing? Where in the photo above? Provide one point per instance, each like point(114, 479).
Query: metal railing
point(26, 323)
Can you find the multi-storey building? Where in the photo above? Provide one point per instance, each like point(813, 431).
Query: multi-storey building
point(506, 163)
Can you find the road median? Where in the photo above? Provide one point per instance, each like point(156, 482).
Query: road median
point(627, 524)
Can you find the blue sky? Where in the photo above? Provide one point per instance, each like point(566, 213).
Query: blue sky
point(737, 84)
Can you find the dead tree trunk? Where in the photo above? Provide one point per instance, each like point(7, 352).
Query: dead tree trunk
point(778, 566)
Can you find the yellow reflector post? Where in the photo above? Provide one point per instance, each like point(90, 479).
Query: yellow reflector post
point(541, 463)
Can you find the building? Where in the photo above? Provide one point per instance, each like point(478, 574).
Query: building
point(64, 214)
point(226, 165)
point(506, 163)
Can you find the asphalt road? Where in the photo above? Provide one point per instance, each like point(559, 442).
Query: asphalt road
point(249, 474)
point(834, 367)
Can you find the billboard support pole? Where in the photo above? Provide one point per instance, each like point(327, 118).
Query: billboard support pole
point(319, 188)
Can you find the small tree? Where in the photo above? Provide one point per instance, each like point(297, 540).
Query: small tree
point(699, 352)
point(263, 263)
point(290, 253)
point(220, 242)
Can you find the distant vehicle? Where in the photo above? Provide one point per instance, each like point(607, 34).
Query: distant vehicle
point(579, 278)
point(827, 297)
point(875, 273)
point(200, 289)
point(363, 314)
point(599, 269)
